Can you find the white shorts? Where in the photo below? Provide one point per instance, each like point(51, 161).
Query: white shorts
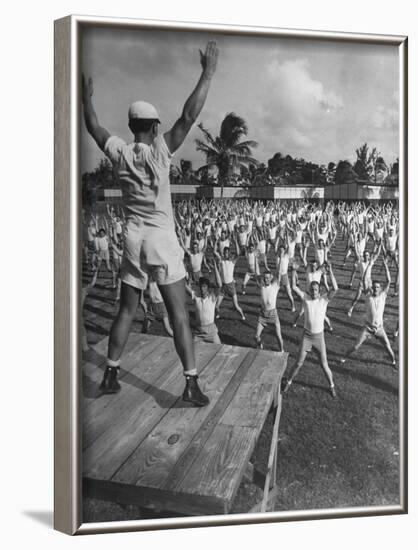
point(150, 251)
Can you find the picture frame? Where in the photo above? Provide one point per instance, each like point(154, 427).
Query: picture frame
point(68, 316)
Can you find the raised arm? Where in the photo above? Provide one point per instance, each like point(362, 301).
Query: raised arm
point(97, 132)
point(295, 287)
point(194, 104)
point(334, 286)
point(387, 274)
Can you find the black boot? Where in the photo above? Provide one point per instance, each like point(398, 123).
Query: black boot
point(110, 382)
point(192, 392)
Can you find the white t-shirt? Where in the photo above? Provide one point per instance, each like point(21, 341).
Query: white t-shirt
point(312, 276)
point(261, 246)
point(205, 309)
point(102, 243)
point(315, 311)
point(227, 271)
point(224, 244)
point(196, 261)
point(143, 173)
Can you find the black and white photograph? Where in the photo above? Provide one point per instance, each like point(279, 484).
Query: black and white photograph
point(241, 274)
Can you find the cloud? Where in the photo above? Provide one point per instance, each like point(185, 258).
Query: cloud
point(296, 106)
point(385, 118)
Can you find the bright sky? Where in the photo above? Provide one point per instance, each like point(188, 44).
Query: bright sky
point(313, 99)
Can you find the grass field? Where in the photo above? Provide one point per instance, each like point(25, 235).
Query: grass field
point(333, 453)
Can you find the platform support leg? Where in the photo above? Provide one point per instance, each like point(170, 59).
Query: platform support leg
point(271, 477)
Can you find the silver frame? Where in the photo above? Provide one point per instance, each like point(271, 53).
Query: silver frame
point(67, 359)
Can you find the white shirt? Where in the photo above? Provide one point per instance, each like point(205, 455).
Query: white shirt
point(143, 173)
point(196, 261)
point(315, 311)
point(205, 309)
point(261, 246)
point(224, 244)
point(102, 243)
point(227, 271)
point(313, 276)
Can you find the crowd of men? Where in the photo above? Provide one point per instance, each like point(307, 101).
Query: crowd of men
point(278, 244)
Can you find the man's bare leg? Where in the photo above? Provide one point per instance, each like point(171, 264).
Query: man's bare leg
point(323, 361)
point(279, 336)
point(257, 336)
point(129, 297)
point(289, 295)
point(174, 296)
point(295, 368)
point(118, 336)
point(237, 307)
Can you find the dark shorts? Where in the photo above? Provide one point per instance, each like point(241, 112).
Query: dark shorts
point(228, 289)
point(207, 333)
point(194, 276)
point(284, 279)
point(268, 317)
point(315, 341)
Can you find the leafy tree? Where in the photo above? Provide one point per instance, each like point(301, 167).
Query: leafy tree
point(344, 173)
point(366, 162)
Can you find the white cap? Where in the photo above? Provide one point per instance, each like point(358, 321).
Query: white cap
point(142, 109)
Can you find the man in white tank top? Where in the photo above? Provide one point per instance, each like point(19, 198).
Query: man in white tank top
point(282, 266)
point(269, 289)
point(315, 306)
point(375, 306)
point(365, 264)
point(252, 266)
point(391, 250)
point(224, 271)
point(205, 307)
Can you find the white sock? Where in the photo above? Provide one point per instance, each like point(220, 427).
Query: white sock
point(111, 363)
point(192, 372)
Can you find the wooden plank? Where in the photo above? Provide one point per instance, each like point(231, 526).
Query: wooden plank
point(220, 466)
point(254, 397)
point(147, 497)
point(94, 364)
point(142, 408)
point(153, 461)
point(139, 372)
point(183, 465)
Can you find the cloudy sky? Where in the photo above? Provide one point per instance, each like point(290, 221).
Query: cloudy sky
point(312, 99)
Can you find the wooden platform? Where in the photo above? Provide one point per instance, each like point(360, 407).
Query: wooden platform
point(146, 446)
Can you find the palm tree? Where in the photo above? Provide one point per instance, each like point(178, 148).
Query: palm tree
point(366, 161)
point(226, 151)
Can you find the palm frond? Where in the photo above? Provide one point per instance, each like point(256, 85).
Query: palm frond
point(209, 138)
point(233, 127)
point(205, 148)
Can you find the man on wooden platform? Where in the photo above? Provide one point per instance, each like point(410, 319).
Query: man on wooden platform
point(151, 245)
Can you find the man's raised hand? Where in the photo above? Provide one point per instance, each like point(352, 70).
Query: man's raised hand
point(209, 59)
